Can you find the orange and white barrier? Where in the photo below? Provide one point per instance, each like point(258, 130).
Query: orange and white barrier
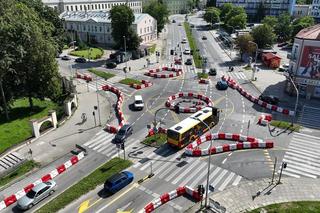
point(204, 81)
point(144, 84)
point(175, 72)
point(264, 119)
point(85, 77)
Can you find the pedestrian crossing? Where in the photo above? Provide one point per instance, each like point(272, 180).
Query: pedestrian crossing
point(102, 143)
point(237, 75)
point(303, 156)
point(189, 171)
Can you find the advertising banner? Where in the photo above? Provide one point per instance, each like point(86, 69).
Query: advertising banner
point(310, 64)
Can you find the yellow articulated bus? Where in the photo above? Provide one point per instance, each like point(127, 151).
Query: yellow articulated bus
point(188, 130)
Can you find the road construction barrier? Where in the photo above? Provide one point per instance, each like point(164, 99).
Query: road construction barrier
point(204, 81)
point(144, 84)
point(245, 142)
point(166, 197)
point(264, 119)
point(7, 201)
point(154, 73)
point(151, 131)
point(233, 84)
point(196, 107)
point(85, 77)
point(110, 128)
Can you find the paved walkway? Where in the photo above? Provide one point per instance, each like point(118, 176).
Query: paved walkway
point(254, 194)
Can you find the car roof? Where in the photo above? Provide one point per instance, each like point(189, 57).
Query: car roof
point(138, 97)
point(38, 187)
point(116, 177)
point(126, 126)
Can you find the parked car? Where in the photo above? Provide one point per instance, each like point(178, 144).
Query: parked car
point(118, 181)
point(222, 85)
point(179, 24)
point(111, 65)
point(204, 38)
point(213, 71)
point(173, 21)
point(188, 61)
point(192, 26)
point(80, 60)
point(66, 58)
point(124, 132)
point(270, 99)
point(36, 194)
point(186, 52)
point(178, 61)
point(171, 52)
point(184, 40)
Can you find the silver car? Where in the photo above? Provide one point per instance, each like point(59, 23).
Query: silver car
point(36, 194)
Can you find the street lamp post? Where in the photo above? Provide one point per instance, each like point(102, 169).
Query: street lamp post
point(255, 60)
point(297, 99)
point(125, 50)
point(98, 102)
point(209, 162)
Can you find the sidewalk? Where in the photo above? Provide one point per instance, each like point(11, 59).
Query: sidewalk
point(246, 197)
point(62, 140)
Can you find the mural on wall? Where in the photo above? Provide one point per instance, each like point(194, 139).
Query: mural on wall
point(310, 63)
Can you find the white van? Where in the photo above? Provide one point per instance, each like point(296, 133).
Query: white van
point(138, 102)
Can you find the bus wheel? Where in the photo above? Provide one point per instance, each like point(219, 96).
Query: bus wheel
point(212, 124)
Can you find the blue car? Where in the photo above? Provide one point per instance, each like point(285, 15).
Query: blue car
point(118, 181)
point(222, 85)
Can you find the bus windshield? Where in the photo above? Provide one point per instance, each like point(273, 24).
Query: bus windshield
point(173, 134)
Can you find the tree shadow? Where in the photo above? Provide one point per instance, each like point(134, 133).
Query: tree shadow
point(21, 113)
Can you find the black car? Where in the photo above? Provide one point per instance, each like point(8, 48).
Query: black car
point(270, 99)
point(111, 65)
point(80, 60)
point(204, 37)
point(124, 132)
point(213, 71)
point(188, 62)
point(66, 58)
point(173, 21)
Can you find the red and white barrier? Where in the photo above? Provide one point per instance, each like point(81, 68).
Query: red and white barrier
point(246, 142)
point(166, 197)
point(110, 128)
point(144, 84)
point(85, 77)
point(197, 106)
point(204, 81)
point(233, 84)
point(7, 201)
point(264, 119)
point(154, 73)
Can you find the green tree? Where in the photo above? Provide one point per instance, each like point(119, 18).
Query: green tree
point(158, 11)
point(211, 3)
point(191, 4)
point(270, 20)
point(122, 18)
point(301, 23)
point(263, 35)
point(261, 12)
point(225, 9)
point(283, 27)
point(243, 41)
point(212, 15)
point(236, 18)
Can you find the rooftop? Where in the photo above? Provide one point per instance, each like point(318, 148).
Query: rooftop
point(97, 16)
point(310, 33)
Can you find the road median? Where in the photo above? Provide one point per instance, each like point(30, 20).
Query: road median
point(85, 185)
point(193, 46)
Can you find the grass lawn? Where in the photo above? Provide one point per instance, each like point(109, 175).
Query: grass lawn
point(104, 75)
point(156, 140)
point(203, 75)
point(193, 45)
point(85, 185)
point(152, 49)
point(285, 125)
point(292, 207)
point(129, 81)
point(20, 171)
point(95, 53)
point(18, 129)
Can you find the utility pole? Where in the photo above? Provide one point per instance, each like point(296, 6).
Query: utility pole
point(98, 101)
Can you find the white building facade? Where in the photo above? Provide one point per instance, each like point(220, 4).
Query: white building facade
point(92, 5)
point(272, 7)
point(95, 26)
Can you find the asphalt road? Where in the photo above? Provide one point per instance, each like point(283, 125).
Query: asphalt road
point(171, 168)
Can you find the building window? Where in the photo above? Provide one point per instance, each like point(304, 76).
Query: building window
point(95, 28)
point(100, 29)
point(71, 7)
point(76, 8)
point(84, 28)
point(67, 8)
point(92, 7)
point(95, 6)
point(99, 6)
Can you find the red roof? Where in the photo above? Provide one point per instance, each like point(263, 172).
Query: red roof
point(269, 56)
point(310, 33)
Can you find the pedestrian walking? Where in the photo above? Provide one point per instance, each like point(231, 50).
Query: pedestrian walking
point(84, 117)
